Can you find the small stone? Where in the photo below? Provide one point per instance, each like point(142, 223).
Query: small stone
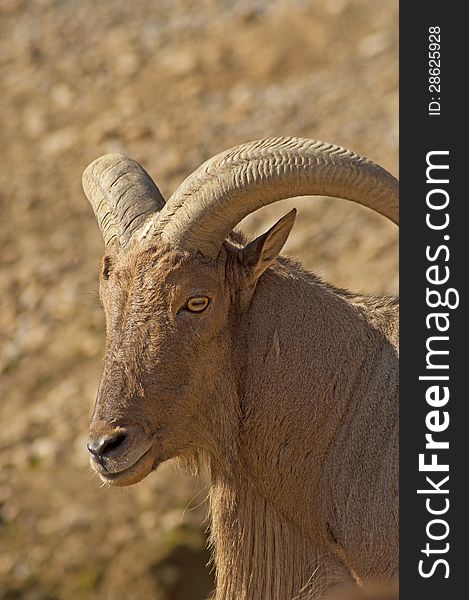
point(62, 94)
point(374, 44)
point(21, 571)
point(44, 448)
point(60, 140)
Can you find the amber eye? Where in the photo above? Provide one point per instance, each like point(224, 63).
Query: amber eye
point(197, 303)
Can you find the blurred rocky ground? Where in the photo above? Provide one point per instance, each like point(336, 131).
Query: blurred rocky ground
point(169, 82)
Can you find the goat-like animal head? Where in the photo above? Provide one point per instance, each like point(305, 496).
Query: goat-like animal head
point(173, 288)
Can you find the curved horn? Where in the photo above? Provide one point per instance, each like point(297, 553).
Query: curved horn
point(219, 194)
point(122, 195)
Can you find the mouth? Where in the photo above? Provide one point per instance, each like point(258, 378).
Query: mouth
point(142, 467)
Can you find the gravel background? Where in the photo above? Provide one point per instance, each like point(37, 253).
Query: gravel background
point(170, 83)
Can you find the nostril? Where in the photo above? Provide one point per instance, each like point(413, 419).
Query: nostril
point(105, 445)
point(110, 444)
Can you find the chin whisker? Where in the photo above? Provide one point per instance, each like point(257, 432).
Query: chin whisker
point(191, 508)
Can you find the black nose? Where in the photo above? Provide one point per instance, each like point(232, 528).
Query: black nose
point(104, 445)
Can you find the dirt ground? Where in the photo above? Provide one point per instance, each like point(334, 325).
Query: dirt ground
point(170, 83)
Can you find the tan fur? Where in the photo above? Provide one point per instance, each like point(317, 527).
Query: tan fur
point(286, 387)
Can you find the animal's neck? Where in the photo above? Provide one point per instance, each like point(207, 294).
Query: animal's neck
point(258, 552)
point(311, 418)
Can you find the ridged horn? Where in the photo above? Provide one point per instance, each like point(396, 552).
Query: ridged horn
point(220, 193)
point(122, 195)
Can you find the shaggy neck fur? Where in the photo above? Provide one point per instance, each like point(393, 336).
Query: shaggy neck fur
point(259, 553)
point(311, 499)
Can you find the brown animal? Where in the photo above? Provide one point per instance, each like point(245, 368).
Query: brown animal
point(222, 353)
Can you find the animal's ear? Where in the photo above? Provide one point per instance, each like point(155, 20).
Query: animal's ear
point(259, 254)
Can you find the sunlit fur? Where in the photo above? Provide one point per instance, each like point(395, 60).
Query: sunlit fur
point(285, 388)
